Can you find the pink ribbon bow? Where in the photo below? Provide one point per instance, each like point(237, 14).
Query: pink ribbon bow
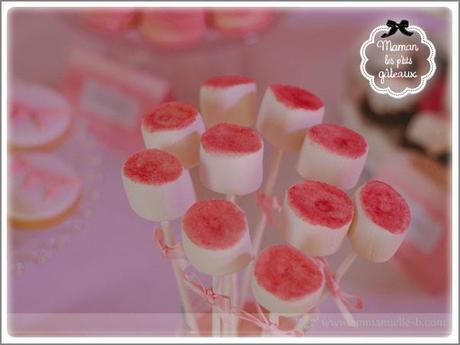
point(212, 297)
point(170, 252)
point(264, 323)
point(268, 204)
point(351, 301)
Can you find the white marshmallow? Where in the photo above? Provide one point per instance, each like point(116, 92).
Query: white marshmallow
point(291, 306)
point(160, 201)
point(235, 171)
point(231, 103)
point(210, 259)
point(323, 162)
point(368, 239)
point(183, 141)
point(430, 131)
point(313, 238)
point(282, 125)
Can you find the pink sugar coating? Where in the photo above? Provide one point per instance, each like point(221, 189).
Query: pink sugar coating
point(231, 139)
point(287, 273)
point(385, 206)
point(214, 224)
point(295, 97)
point(321, 204)
point(170, 115)
point(153, 167)
point(338, 139)
point(227, 81)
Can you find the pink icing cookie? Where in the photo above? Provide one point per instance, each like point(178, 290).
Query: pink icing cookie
point(152, 166)
point(39, 117)
point(296, 97)
point(44, 190)
point(228, 138)
point(385, 206)
point(214, 224)
point(227, 81)
point(321, 204)
point(340, 140)
point(170, 115)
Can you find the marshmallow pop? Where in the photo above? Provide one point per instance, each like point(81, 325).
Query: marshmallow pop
point(286, 281)
point(216, 240)
point(381, 221)
point(160, 189)
point(215, 237)
point(157, 186)
point(316, 217)
point(231, 159)
point(285, 113)
point(332, 154)
point(229, 99)
point(175, 127)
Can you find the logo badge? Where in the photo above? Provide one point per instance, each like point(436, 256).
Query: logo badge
point(398, 59)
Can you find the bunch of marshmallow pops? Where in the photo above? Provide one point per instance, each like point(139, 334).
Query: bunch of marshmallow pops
point(289, 280)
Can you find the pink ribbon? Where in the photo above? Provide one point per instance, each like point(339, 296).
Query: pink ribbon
point(268, 204)
point(19, 109)
point(212, 297)
point(174, 252)
point(351, 301)
point(264, 323)
point(170, 252)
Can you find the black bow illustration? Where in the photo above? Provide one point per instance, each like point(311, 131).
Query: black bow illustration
point(395, 27)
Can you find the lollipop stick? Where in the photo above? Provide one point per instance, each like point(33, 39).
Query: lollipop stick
point(215, 310)
point(227, 321)
point(185, 298)
point(259, 231)
point(345, 265)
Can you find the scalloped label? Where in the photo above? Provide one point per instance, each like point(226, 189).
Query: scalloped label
point(398, 59)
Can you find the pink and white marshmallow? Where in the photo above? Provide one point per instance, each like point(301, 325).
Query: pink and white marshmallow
point(175, 127)
point(316, 217)
point(381, 221)
point(157, 186)
point(286, 281)
point(215, 237)
point(241, 21)
point(285, 113)
point(332, 154)
point(172, 28)
point(231, 159)
point(230, 99)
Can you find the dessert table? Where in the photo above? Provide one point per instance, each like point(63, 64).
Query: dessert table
point(108, 278)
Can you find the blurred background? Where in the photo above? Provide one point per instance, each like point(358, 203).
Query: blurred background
point(112, 66)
